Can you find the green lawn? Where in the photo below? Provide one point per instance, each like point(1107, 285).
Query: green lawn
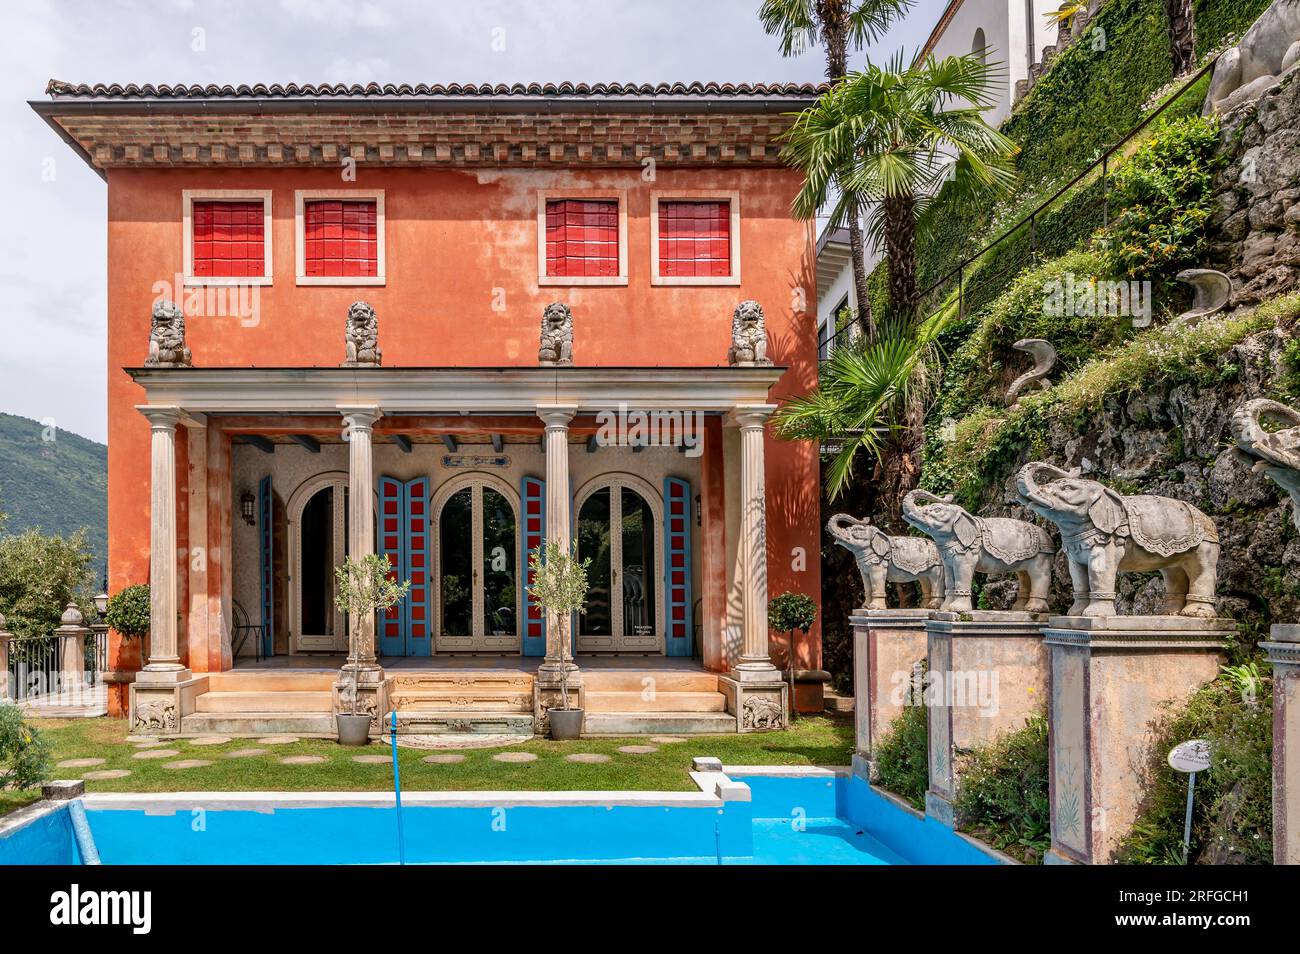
point(816, 740)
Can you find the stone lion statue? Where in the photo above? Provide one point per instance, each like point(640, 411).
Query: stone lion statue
point(748, 336)
point(556, 349)
point(167, 337)
point(362, 336)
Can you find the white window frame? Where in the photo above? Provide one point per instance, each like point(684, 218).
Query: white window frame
point(550, 195)
point(731, 196)
point(188, 198)
point(300, 199)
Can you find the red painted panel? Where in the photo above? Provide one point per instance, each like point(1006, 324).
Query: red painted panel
point(340, 238)
point(228, 239)
point(695, 238)
point(582, 237)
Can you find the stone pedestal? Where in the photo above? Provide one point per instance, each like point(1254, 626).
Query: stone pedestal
point(1284, 653)
point(1111, 679)
point(371, 690)
point(887, 646)
point(547, 696)
point(758, 705)
point(987, 675)
point(158, 705)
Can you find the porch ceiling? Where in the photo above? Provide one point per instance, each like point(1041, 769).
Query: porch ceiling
point(453, 390)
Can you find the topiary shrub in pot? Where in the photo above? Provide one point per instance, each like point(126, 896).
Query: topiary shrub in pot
point(559, 586)
point(786, 613)
point(365, 586)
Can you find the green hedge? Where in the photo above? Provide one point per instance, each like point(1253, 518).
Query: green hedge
point(1003, 796)
point(1217, 19)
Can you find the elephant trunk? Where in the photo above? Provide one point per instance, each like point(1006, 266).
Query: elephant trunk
point(838, 524)
point(912, 506)
point(1027, 481)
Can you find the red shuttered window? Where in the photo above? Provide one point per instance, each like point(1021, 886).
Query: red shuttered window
point(582, 238)
point(340, 238)
point(695, 239)
point(229, 239)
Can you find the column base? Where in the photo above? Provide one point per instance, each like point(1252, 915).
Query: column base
point(759, 706)
point(758, 672)
point(163, 676)
point(940, 809)
point(1111, 679)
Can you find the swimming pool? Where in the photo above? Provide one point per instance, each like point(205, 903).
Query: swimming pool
point(743, 815)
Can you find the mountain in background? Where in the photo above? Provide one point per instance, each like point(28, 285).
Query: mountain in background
point(57, 485)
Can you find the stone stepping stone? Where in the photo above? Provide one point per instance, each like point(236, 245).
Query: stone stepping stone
point(278, 740)
point(303, 760)
point(105, 774)
point(666, 739)
point(586, 757)
point(638, 749)
point(150, 745)
point(211, 740)
point(246, 753)
point(79, 763)
point(514, 757)
point(156, 754)
point(445, 758)
point(187, 764)
point(372, 759)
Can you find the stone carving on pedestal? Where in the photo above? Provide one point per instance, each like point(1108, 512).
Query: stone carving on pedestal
point(748, 336)
point(556, 350)
point(1276, 454)
point(361, 336)
point(1044, 356)
point(1268, 50)
point(1212, 291)
point(884, 559)
point(1104, 533)
point(761, 712)
point(969, 544)
point(156, 716)
point(167, 347)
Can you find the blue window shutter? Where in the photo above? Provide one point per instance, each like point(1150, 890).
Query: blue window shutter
point(266, 563)
point(532, 533)
point(679, 627)
point(392, 636)
point(415, 566)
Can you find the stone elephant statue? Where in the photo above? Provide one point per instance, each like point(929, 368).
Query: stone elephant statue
point(969, 544)
point(1104, 533)
point(1276, 454)
point(884, 559)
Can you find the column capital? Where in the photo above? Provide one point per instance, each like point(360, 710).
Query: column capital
point(161, 415)
point(359, 416)
point(556, 415)
point(749, 416)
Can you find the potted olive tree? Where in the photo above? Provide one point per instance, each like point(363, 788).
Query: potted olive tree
point(364, 587)
point(560, 587)
point(786, 613)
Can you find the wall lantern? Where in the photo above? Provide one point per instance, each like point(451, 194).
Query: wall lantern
point(248, 507)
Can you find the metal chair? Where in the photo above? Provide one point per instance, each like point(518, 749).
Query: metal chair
point(242, 629)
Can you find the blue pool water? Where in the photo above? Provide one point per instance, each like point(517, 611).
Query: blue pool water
point(791, 820)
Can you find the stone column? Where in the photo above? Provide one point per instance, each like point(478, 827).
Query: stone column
point(361, 673)
point(754, 686)
point(1284, 653)
point(164, 666)
point(888, 645)
point(72, 635)
point(1111, 679)
point(987, 675)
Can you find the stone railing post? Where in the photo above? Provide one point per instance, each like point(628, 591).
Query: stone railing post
point(5, 636)
point(72, 633)
point(1283, 652)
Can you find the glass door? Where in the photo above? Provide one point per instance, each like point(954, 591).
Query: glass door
point(477, 592)
point(320, 541)
point(618, 530)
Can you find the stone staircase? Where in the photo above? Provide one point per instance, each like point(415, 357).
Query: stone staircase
point(263, 703)
point(639, 702)
point(478, 701)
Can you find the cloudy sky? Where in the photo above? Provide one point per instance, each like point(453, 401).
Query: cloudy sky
point(52, 254)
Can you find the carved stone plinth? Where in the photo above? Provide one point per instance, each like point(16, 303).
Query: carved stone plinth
point(987, 675)
point(156, 708)
point(547, 695)
point(1284, 653)
point(887, 646)
point(758, 706)
point(1111, 678)
point(371, 692)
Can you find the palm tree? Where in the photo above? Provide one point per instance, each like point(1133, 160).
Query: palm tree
point(889, 138)
point(836, 24)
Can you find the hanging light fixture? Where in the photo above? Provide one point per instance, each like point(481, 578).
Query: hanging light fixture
point(248, 507)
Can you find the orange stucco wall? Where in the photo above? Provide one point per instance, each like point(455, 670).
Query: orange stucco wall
point(459, 242)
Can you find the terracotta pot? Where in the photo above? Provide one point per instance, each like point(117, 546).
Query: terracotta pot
point(353, 729)
point(566, 724)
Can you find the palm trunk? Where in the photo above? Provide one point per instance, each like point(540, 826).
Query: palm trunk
point(900, 246)
point(1182, 34)
point(858, 252)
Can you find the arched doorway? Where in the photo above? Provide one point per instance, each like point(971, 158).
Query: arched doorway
point(618, 527)
point(476, 596)
point(318, 535)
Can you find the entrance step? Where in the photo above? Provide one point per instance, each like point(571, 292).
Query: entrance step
point(258, 723)
point(502, 693)
point(641, 680)
point(601, 701)
point(470, 721)
point(270, 701)
point(659, 723)
point(271, 681)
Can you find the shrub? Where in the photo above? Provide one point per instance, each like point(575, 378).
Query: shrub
point(791, 611)
point(1232, 819)
point(902, 756)
point(1003, 795)
point(129, 611)
point(40, 574)
point(24, 754)
point(1164, 197)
